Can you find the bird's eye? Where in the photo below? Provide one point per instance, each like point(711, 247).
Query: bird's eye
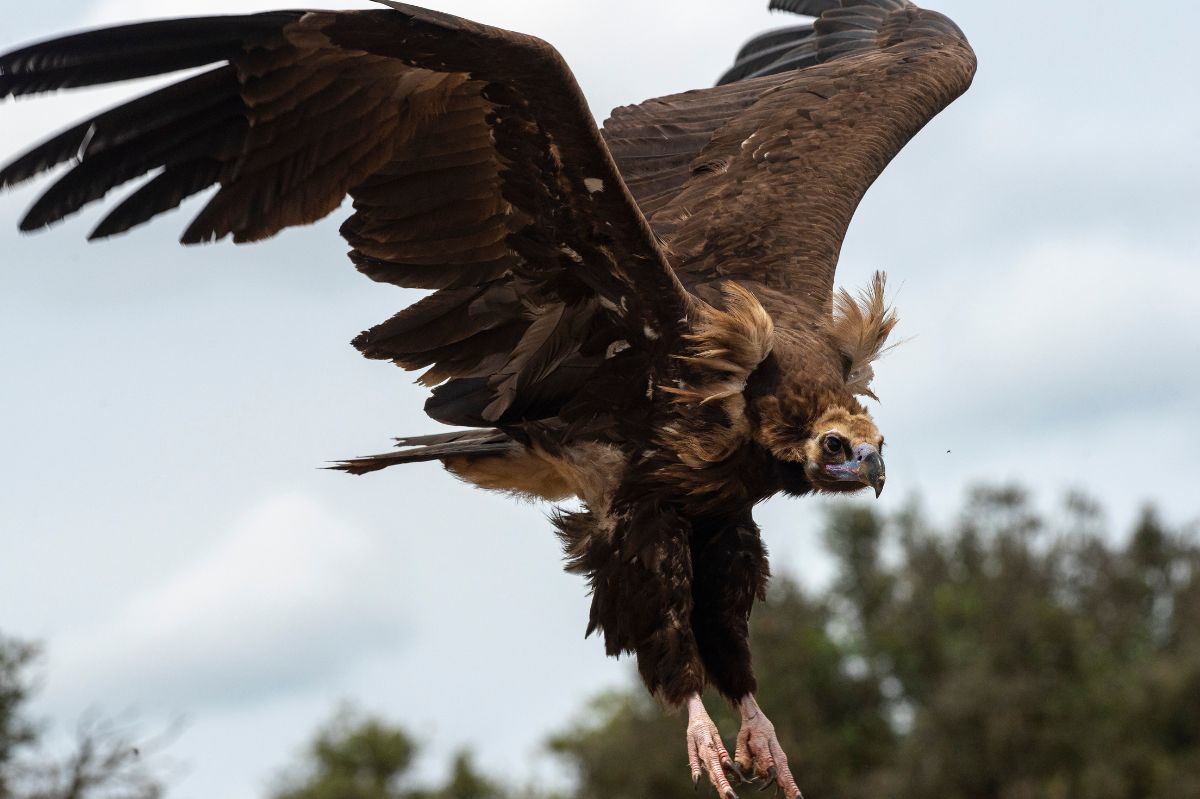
point(834, 445)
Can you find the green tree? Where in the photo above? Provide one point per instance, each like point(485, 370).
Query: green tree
point(353, 758)
point(16, 731)
point(1009, 657)
point(464, 782)
point(105, 763)
point(363, 757)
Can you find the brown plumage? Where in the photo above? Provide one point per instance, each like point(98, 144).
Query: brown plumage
point(642, 317)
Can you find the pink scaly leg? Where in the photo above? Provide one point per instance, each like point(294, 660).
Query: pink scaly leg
point(706, 751)
point(758, 751)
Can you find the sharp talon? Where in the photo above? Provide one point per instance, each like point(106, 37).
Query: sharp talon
point(730, 794)
point(771, 774)
point(696, 782)
point(770, 780)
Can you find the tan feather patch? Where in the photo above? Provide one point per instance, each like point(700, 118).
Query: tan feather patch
point(726, 346)
point(860, 327)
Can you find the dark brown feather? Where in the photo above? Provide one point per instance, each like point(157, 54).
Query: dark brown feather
point(134, 51)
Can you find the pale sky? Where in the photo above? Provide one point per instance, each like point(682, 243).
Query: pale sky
point(166, 531)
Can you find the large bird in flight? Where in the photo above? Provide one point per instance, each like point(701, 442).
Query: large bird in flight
point(641, 316)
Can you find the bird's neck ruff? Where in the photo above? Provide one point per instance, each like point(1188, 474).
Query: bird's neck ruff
point(859, 329)
point(710, 423)
point(726, 346)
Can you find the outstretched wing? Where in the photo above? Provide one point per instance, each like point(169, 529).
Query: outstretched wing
point(473, 162)
point(657, 143)
point(757, 180)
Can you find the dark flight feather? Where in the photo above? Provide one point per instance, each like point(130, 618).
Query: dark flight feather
point(778, 51)
point(160, 194)
point(136, 121)
point(140, 50)
point(421, 449)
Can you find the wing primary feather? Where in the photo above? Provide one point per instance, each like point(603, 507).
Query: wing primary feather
point(807, 8)
point(797, 58)
point(160, 194)
point(773, 38)
point(145, 116)
point(133, 51)
point(762, 61)
point(191, 137)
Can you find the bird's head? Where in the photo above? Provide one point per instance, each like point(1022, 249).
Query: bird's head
point(804, 406)
point(793, 393)
point(844, 452)
point(841, 448)
point(841, 451)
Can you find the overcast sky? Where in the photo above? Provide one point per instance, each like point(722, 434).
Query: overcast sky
point(166, 532)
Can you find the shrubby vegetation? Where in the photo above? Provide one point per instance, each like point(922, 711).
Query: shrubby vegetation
point(107, 761)
point(362, 757)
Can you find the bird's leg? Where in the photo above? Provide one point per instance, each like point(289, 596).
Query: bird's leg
point(706, 751)
point(758, 751)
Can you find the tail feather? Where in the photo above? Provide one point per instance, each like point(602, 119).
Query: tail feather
point(418, 449)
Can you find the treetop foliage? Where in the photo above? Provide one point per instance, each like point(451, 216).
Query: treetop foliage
point(364, 757)
point(1011, 656)
point(104, 763)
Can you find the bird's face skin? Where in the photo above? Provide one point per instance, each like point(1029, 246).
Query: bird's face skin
point(840, 452)
point(844, 453)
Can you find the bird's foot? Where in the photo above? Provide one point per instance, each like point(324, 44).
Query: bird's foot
point(758, 751)
point(706, 752)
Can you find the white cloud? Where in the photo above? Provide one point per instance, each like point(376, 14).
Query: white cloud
point(1072, 325)
point(286, 598)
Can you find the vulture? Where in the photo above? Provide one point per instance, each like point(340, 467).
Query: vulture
point(641, 316)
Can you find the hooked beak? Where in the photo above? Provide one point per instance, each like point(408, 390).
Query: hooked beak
point(865, 466)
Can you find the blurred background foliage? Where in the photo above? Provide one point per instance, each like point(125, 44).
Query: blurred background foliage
point(357, 756)
point(1011, 656)
point(107, 757)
